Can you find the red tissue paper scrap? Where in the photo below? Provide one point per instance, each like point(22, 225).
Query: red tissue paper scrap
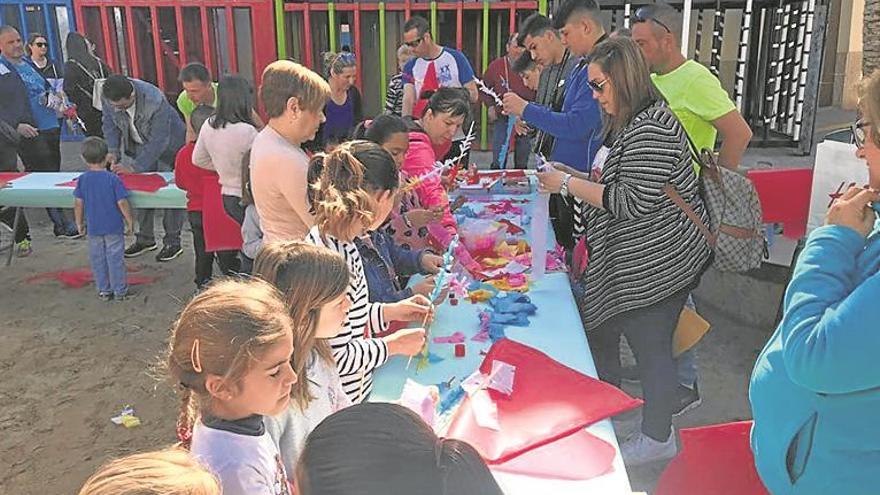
point(81, 277)
point(7, 177)
point(550, 402)
point(594, 456)
point(148, 183)
point(714, 459)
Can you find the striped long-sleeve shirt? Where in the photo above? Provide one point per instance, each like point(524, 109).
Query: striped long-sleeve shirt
point(357, 354)
point(394, 95)
point(643, 248)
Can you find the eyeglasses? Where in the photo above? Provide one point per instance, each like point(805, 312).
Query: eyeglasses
point(858, 132)
point(598, 86)
point(41, 44)
point(645, 14)
point(414, 43)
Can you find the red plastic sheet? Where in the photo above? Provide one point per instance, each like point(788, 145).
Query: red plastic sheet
point(7, 177)
point(714, 459)
point(148, 183)
point(80, 277)
point(222, 232)
point(550, 401)
point(579, 456)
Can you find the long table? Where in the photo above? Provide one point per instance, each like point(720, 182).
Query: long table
point(41, 190)
point(555, 329)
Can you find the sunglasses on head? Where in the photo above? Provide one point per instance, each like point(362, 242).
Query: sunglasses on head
point(645, 14)
point(858, 132)
point(598, 86)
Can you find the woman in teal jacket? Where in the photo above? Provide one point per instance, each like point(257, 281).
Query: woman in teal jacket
point(815, 390)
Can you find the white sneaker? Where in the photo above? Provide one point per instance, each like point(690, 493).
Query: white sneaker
point(641, 449)
point(627, 424)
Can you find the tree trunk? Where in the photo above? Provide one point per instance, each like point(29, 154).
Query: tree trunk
point(870, 38)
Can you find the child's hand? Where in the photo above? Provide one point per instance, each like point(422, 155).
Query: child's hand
point(425, 286)
point(432, 263)
point(414, 308)
point(407, 341)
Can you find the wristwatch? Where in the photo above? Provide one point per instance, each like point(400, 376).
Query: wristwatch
point(564, 189)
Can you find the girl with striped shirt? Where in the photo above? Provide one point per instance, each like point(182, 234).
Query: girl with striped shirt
point(352, 191)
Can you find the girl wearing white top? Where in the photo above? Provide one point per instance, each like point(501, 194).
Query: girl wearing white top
point(227, 138)
point(352, 190)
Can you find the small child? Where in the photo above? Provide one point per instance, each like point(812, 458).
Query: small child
point(394, 93)
point(103, 198)
point(314, 282)
point(165, 472)
point(354, 192)
point(230, 353)
point(251, 233)
point(191, 179)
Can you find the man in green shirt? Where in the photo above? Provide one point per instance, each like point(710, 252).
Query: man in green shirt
point(694, 94)
point(198, 89)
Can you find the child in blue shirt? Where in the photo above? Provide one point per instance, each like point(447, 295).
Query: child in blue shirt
point(103, 197)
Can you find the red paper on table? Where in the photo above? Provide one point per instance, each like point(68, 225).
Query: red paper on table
point(222, 232)
point(714, 459)
point(7, 177)
point(148, 183)
point(594, 457)
point(549, 401)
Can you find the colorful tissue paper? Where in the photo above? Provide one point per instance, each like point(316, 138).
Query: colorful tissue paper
point(595, 457)
point(81, 277)
point(565, 400)
point(511, 282)
point(513, 303)
point(148, 183)
point(480, 295)
point(418, 399)
point(455, 338)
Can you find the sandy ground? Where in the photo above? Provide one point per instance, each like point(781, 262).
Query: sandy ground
point(69, 362)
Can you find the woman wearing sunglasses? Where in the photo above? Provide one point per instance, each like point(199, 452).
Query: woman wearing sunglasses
point(344, 109)
point(815, 390)
point(38, 50)
point(645, 255)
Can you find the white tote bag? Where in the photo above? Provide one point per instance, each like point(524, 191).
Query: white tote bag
point(836, 169)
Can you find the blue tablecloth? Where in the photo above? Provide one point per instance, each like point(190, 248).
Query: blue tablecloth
point(40, 189)
point(556, 330)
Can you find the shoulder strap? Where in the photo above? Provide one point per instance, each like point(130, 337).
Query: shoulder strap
point(691, 214)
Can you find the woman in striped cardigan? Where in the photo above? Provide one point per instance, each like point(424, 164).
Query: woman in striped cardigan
point(352, 190)
point(645, 255)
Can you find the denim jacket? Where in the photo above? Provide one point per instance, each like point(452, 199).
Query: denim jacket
point(383, 262)
point(160, 127)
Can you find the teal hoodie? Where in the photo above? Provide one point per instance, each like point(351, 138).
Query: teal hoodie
point(815, 389)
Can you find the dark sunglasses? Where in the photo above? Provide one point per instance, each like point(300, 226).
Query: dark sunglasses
point(858, 132)
point(644, 14)
point(41, 44)
point(416, 42)
point(598, 86)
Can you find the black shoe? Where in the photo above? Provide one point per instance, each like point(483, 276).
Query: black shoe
point(688, 399)
point(168, 253)
point(105, 296)
point(67, 234)
point(129, 294)
point(138, 249)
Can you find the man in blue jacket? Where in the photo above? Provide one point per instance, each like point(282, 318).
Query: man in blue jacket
point(144, 134)
point(577, 128)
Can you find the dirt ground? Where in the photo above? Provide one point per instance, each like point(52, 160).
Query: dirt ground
point(69, 362)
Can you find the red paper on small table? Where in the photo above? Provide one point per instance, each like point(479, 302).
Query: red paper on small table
point(148, 183)
point(549, 402)
point(222, 232)
point(7, 177)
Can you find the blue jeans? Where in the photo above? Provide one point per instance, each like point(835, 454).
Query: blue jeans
point(106, 254)
point(522, 145)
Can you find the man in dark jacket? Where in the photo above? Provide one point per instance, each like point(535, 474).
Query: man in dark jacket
point(144, 134)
